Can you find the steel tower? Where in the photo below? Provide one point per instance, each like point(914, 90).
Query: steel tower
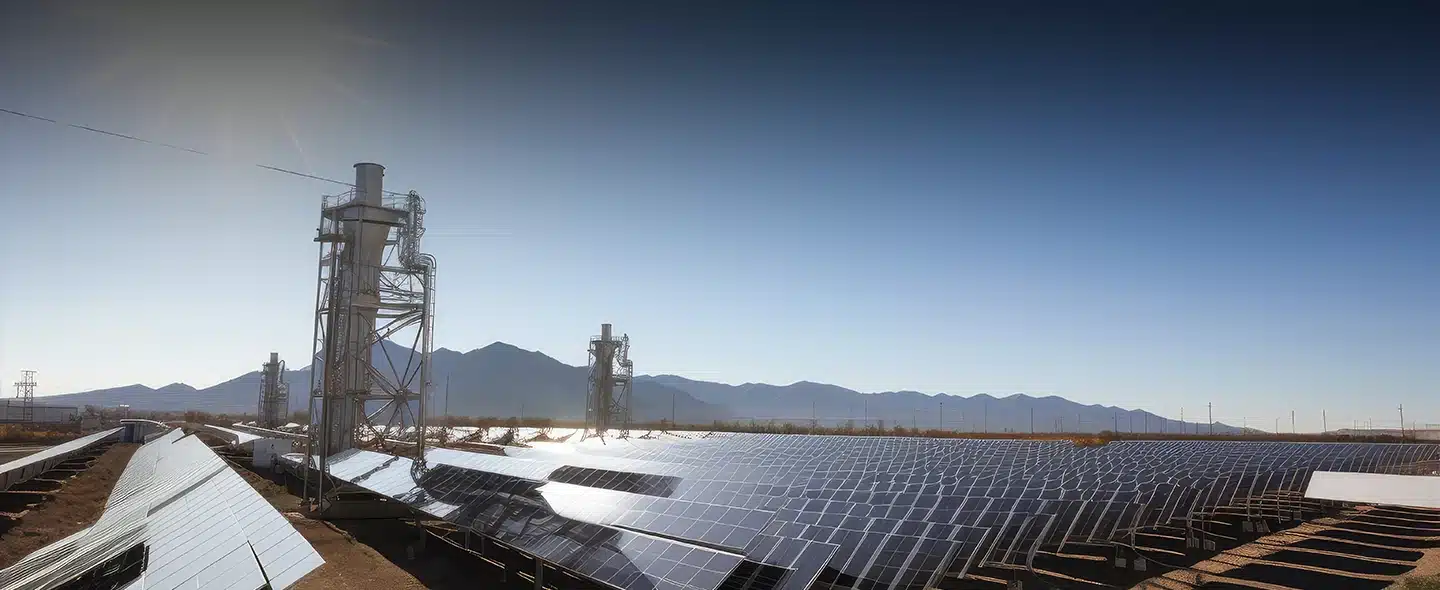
point(374, 310)
point(274, 393)
point(607, 405)
point(25, 392)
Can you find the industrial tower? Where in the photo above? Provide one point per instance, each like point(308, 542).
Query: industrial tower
point(25, 392)
point(274, 393)
point(374, 309)
point(607, 405)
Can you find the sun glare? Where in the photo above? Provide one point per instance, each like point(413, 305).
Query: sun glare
point(247, 70)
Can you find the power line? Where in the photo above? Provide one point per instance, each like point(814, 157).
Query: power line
point(20, 114)
point(133, 138)
point(311, 176)
point(175, 147)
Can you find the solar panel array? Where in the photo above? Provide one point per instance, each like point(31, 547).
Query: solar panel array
point(857, 512)
point(196, 523)
point(29, 466)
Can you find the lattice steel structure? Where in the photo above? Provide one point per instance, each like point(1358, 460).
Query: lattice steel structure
point(374, 288)
point(274, 407)
point(607, 405)
point(25, 392)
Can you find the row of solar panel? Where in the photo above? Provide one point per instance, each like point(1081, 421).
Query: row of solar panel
point(196, 523)
point(29, 466)
point(1097, 514)
point(900, 510)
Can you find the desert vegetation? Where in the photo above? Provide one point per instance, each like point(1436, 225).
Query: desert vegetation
point(38, 433)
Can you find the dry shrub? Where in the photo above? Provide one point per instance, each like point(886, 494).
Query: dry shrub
point(15, 433)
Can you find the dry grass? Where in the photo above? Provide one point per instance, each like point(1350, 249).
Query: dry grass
point(17, 433)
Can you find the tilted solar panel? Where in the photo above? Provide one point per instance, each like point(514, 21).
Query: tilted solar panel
point(896, 510)
point(192, 519)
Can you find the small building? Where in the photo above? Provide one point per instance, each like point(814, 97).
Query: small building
point(13, 410)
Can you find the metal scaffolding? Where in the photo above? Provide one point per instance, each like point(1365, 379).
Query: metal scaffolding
point(375, 294)
point(25, 392)
point(607, 405)
point(274, 407)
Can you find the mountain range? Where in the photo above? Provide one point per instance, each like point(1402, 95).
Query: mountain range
point(503, 380)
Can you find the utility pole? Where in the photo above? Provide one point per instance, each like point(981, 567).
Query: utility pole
point(1132, 421)
point(25, 391)
point(1292, 422)
point(672, 408)
point(1324, 422)
point(1032, 420)
point(1210, 407)
point(942, 416)
point(1116, 418)
point(1402, 421)
point(1078, 423)
point(447, 397)
point(986, 418)
point(1277, 425)
point(1147, 423)
point(915, 419)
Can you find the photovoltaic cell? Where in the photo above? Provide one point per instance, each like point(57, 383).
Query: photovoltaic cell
point(896, 510)
point(197, 522)
point(516, 510)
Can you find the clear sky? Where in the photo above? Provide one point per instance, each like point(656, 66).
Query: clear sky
point(1133, 203)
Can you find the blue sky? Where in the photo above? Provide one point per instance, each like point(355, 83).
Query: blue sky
point(1120, 206)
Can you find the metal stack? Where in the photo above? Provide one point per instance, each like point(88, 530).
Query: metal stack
point(274, 393)
point(607, 404)
point(374, 285)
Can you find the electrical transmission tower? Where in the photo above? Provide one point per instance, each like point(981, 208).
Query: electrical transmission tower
point(274, 393)
point(374, 289)
point(25, 392)
point(607, 405)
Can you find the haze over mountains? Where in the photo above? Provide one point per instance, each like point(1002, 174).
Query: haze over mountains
point(502, 380)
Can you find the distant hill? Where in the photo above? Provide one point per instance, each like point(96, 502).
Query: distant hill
point(502, 380)
point(497, 380)
point(831, 405)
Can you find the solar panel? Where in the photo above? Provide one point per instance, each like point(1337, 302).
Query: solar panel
point(898, 512)
point(24, 468)
point(546, 519)
point(193, 519)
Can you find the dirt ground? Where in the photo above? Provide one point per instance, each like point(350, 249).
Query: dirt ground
point(75, 506)
point(1425, 575)
point(348, 562)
